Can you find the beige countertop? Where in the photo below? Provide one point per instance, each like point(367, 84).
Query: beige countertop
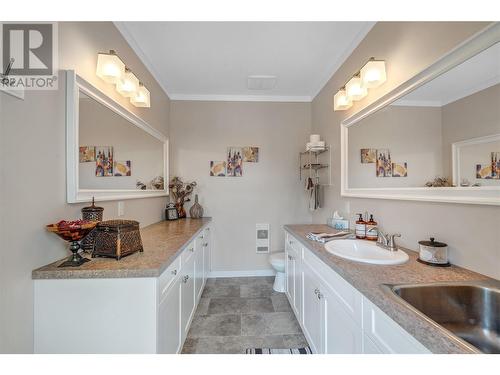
point(367, 279)
point(162, 243)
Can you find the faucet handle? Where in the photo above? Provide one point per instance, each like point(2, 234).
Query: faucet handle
point(381, 238)
point(392, 241)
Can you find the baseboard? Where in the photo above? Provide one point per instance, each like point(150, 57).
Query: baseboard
point(248, 273)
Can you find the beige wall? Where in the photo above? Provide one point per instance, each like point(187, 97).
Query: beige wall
point(477, 115)
point(268, 192)
point(411, 134)
point(470, 230)
point(32, 165)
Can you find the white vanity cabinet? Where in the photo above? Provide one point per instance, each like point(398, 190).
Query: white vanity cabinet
point(122, 315)
point(293, 261)
point(335, 317)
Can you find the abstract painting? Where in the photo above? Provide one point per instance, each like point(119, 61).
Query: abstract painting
point(384, 165)
point(218, 168)
point(87, 154)
point(122, 168)
point(399, 169)
point(495, 165)
point(368, 155)
point(104, 161)
point(251, 154)
point(235, 162)
point(483, 171)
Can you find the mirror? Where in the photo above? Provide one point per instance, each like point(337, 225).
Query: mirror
point(437, 137)
point(112, 154)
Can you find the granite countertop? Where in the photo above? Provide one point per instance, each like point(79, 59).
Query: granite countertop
point(162, 243)
point(368, 278)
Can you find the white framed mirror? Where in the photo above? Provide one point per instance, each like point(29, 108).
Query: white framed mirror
point(434, 138)
point(111, 154)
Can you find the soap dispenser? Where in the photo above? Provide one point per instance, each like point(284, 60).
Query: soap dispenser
point(371, 229)
point(360, 227)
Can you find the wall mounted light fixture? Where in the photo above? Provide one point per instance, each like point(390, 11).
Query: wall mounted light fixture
point(112, 69)
point(371, 75)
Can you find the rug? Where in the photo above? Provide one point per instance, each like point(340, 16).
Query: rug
point(306, 350)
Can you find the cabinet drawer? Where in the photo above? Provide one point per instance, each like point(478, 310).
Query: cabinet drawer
point(168, 276)
point(294, 244)
point(188, 252)
point(349, 297)
point(388, 336)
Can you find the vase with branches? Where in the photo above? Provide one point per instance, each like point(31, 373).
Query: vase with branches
point(181, 192)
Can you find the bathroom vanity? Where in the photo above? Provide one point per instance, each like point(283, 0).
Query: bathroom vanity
point(347, 307)
point(143, 303)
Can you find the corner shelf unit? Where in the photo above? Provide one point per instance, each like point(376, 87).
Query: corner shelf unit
point(312, 162)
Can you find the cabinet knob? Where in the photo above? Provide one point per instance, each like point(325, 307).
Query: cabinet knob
point(174, 272)
point(320, 295)
point(205, 244)
point(185, 279)
point(290, 257)
point(192, 249)
point(316, 291)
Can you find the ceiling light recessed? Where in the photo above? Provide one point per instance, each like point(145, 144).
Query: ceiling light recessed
point(261, 82)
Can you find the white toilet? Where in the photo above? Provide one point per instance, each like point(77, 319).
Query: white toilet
point(277, 260)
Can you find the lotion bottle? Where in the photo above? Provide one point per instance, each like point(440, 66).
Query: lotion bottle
point(360, 227)
point(371, 229)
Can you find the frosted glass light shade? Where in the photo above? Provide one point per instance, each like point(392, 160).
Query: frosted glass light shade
point(128, 85)
point(373, 74)
point(341, 101)
point(110, 67)
point(141, 97)
point(355, 90)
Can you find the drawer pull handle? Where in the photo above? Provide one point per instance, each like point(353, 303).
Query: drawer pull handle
point(185, 279)
point(174, 272)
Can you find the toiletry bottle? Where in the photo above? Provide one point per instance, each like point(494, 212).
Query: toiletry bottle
point(371, 229)
point(360, 227)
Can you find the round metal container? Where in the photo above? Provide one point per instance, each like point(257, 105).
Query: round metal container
point(433, 253)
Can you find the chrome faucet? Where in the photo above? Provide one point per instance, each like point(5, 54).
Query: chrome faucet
point(387, 241)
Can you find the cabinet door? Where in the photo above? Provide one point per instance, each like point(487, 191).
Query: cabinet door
point(169, 320)
point(206, 254)
point(341, 333)
point(369, 346)
point(187, 295)
point(198, 271)
point(290, 278)
point(312, 310)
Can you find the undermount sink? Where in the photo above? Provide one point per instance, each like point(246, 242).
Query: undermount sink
point(365, 252)
point(469, 310)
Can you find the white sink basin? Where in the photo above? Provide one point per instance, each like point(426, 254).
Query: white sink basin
point(365, 252)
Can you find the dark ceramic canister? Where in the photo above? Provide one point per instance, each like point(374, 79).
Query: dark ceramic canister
point(196, 210)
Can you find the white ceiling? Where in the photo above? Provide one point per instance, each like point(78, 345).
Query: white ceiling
point(212, 60)
point(476, 74)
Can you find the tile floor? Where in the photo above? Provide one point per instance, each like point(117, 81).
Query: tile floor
point(239, 313)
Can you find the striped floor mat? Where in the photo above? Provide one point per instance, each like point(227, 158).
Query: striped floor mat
point(306, 350)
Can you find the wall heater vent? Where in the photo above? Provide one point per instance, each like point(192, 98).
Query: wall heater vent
point(262, 238)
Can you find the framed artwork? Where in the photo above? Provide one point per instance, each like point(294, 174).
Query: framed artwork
point(87, 154)
point(483, 172)
point(122, 168)
point(235, 162)
point(104, 161)
point(384, 165)
point(368, 155)
point(218, 168)
point(400, 169)
point(251, 154)
point(495, 165)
